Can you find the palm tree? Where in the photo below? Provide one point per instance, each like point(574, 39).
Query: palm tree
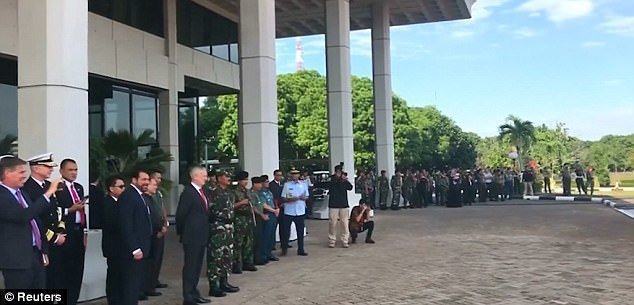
point(520, 133)
point(118, 152)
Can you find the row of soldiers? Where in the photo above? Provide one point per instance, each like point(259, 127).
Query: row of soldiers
point(241, 227)
point(417, 189)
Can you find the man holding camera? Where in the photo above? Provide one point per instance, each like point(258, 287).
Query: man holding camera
point(361, 221)
point(338, 187)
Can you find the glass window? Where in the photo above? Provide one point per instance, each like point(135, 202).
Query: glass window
point(8, 106)
point(144, 114)
point(145, 15)
point(234, 56)
point(117, 111)
point(206, 31)
point(221, 51)
point(95, 120)
point(187, 136)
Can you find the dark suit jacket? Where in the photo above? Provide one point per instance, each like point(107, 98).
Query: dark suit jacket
point(276, 189)
point(156, 214)
point(65, 201)
point(134, 226)
point(191, 217)
point(111, 238)
point(16, 235)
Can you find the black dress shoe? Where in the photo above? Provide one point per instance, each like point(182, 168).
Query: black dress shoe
point(369, 241)
point(302, 253)
point(153, 294)
point(217, 292)
point(290, 246)
point(249, 268)
point(143, 297)
point(201, 300)
point(226, 287)
point(161, 285)
point(274, 259)
point(261, 263)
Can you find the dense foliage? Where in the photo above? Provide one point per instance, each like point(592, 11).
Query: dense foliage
point(423, 136)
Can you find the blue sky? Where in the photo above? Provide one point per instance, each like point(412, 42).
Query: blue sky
point(547, 61)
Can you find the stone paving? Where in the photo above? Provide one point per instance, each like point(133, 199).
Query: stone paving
point(520, 254)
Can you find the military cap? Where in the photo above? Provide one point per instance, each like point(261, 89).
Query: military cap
point(265, 177)
point(43, 159)
point(242, 175)
point(294, 171)
point(257, 180)
point(220, 173)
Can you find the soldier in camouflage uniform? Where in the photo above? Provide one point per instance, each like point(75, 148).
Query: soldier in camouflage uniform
point(220, 246)
point(244, 226)
point(396, 183)
point(384, 188)
point(409, 183)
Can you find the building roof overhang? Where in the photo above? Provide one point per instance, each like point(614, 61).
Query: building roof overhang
point(307, 17)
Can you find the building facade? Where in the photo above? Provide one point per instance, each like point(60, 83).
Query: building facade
point(72, 70)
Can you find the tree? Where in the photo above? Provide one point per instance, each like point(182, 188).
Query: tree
point(7, 144)
point(119, 152)
point(520, 133)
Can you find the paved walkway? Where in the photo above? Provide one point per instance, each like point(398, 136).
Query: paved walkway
point(520, 254)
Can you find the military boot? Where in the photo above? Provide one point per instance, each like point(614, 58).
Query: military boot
point(215, 290)
point(226, 287)
point(236, 268)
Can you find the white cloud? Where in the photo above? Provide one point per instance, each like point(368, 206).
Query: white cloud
point(558, 10)
point(593, 44)
point(361, 43)
point(524, 33)
point(482, 9)
point(618, 25)
point(462, 34)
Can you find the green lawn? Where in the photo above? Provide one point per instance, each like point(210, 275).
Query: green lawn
point(621, 194)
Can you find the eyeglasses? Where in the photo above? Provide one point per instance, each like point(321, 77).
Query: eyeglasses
point(119, 186)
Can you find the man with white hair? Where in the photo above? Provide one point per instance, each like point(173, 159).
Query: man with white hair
point(192, 221)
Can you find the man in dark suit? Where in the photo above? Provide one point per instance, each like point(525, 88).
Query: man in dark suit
point(23, 252)
point(71, 199)
point(135, 228)
point(34, 187)
point(111, 239)
point(276, 187)
point(156, 218)
point(192, 219)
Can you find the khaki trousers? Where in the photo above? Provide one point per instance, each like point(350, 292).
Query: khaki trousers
point(338, 223)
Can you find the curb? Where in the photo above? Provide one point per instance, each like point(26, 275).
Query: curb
point(626, 209)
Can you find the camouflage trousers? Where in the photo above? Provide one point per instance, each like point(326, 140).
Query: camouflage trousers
point(396, 197)
point(243, 240)
point(383, 197)
point(219, 251)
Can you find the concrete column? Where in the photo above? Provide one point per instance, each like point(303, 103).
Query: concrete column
point(382, 79)
point(168, 108)
point(258, 129)
point(53, 99)
point(340, 136)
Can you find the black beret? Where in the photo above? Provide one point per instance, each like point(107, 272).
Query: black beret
point(242, 175)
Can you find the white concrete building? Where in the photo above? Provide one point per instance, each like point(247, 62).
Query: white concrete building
point(71, 70)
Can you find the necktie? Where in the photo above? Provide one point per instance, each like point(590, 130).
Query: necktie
point(202, 196)
point(36, 230)
point(73, 193)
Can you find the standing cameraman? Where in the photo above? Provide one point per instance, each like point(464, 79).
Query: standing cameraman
point(338, 187)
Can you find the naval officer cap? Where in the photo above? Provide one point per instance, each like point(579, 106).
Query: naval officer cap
point(43, 159)
point(294, 171)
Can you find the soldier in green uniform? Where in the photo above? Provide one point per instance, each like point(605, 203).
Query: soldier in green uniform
point(244, 225)
point(258, 202)
point(384, 188)
point(220, 246)
point(396, 183)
